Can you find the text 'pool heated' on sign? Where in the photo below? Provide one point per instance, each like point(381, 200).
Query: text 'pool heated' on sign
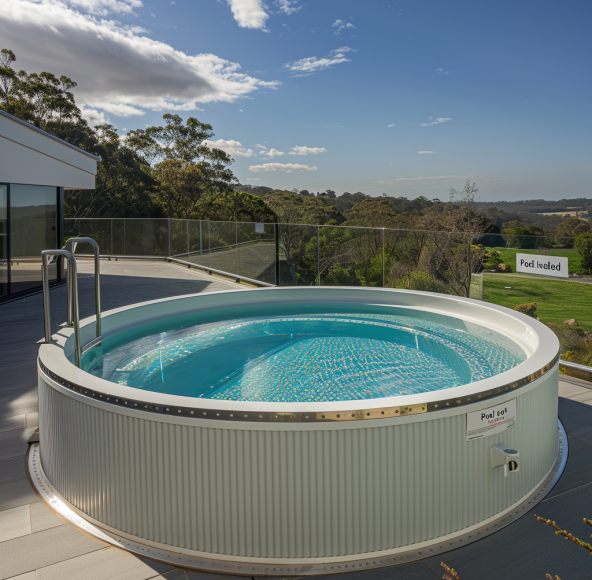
point(491, 421)
point(542, 265)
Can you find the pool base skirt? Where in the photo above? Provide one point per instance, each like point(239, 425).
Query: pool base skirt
point(290, 567)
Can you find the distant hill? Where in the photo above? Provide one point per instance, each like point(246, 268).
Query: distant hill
point(540, 205)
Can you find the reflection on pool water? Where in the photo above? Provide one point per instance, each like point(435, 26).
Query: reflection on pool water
point(309, 357)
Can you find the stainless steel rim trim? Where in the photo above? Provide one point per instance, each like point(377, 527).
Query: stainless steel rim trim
point(297, 417)
point(439, 546)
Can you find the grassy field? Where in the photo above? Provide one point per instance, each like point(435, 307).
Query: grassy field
point(508, 255)
point(557, 300)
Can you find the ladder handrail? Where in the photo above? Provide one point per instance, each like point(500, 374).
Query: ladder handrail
point(70, 248)
point(72, 297)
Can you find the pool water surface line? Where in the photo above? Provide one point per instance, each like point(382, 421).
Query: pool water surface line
point(66, 511)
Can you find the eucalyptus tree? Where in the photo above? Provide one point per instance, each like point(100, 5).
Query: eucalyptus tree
point(190, 172)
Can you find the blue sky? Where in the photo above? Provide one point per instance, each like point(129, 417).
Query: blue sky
point(406, 98)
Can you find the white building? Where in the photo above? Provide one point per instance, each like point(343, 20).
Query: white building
point(35, 169)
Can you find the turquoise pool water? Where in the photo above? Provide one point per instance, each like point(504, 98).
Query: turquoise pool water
point(317, 356)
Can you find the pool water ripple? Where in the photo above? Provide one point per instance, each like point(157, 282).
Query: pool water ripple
point(316, 357)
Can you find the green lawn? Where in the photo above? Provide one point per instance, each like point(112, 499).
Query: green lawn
point(557, 300)
point(508, 255)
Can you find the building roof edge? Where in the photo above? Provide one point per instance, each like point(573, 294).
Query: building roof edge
point(29, 126)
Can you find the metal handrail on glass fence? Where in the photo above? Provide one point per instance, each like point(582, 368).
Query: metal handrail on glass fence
point(289, 254)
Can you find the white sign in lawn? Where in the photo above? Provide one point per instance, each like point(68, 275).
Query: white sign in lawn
point(491, 421)
point(542, 265)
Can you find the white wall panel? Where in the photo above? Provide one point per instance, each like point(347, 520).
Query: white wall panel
point(290, 491)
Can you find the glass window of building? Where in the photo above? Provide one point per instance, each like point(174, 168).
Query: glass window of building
point(33, 228)
point(3, 240)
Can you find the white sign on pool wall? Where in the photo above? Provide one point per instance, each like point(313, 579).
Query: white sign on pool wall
point(491, 421)
point(544, 265)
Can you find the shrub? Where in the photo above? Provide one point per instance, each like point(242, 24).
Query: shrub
point(583, 245)
point(418, 280)
point(529, 309)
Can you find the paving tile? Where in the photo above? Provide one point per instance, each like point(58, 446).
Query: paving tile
point(12, 469)
point(578, 433)
point(176, 574)
point(17, 404)
point(584, 397)
point(574, 415)
point(584, 437)
point(578, 472)
point(569, 391)
point(42, 518)
point(12, 423)
point(17, 493)
point(44, 549)
point(26, 576)
point(14, 523)
point(528, 549)
point(564, 379)
point(106, 564)
point(576, 445)
point(32, 419)
point(14, 443)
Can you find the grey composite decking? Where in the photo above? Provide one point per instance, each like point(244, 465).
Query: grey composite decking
point(37, 545)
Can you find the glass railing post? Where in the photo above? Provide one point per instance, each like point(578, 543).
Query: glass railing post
point(318, 256)
point(276, 230)
point(383, 257)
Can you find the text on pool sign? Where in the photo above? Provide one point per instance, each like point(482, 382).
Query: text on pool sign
point(542, 265)
point(491, 421)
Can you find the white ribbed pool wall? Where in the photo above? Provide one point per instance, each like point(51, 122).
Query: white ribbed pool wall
point(290, 491)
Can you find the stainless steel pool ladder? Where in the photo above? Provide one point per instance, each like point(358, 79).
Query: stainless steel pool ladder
point(72, 284)
point(73, 318)
point(70, 246)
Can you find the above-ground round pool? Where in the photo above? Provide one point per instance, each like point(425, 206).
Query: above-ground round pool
point(300, 425)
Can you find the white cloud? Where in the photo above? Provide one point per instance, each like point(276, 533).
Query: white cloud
point(288, 6)
point(252, 179)
point(261, 146)
point(249, 13)
point(118, 68)
point(341, 25)
point(421, 180)
point(391, 125)
point(426, 152)
point(313, 63)
point(288, 167)
point(303, 150)
point(272, 153)
point(438, 121)
point(94, 117)
point(121, 109)
point(441, 72)
point(233, 148)
point(104, 7)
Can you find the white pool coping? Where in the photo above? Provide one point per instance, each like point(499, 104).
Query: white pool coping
point(539, 343)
